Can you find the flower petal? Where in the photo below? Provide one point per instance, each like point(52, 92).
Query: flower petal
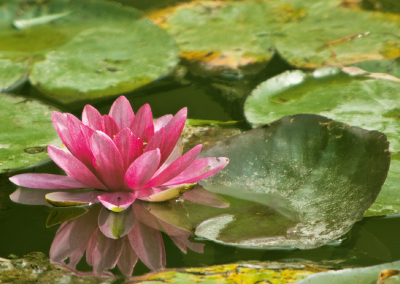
point(29, 196)
point(110, 126)
point(142, 126)
point(147, 242)
point(204, 197)
point(63, 199)
point(173, 131)
point(74, 168)
point(142, 169)
point(117, 201)
point(121, 111)
point(128, 145)
point(156, 141)
point(127, 259)
point(162, 121)
point(107, 161)
point(106, 253)
point(200, 169)
point(92, 118)
point(116, 225)
point(79, 140)
point(73, 236)
point(47, 181)
point(175, 168)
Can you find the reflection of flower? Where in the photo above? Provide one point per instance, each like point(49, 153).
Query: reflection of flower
point(121, 157)
point(120, 239)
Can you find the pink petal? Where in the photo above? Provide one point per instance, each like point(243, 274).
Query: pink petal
point(73, 236)
point(92, 118)
point(127, 259)
point(175, 154)
point(148, 243)
point(116, 225)
point(156, 142)
point(68, 128)
point(121, 111)
point(61, 125)
point(29, 196)
point(204, 197)
point(47, 181)
point(142, 126)
point(110, 126)
point(142, 169)
point(74, 168)
point(73, 198)
point(106, 253)
point(162, 121)
point(173, 131)
point(200, 169)
point(107, 161)
point(79, 141)
point(129, 146)
point(175, 168)
point(117, 201)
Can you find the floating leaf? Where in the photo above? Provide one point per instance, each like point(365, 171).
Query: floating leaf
point(273, 272)
point(359, 101)
point(329, 172)
point(390, 66)
point(79, 51)
point(380, 274)
point(58, 215)
point(216, 36)
point(26, 131)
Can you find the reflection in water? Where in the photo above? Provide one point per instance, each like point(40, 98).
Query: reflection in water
point(111, 239)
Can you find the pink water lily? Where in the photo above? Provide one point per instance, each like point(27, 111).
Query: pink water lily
point(121, 157)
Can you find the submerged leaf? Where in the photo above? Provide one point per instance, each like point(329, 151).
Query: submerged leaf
point(327, 171)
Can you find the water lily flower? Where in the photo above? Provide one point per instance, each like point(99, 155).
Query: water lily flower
point(120, 157)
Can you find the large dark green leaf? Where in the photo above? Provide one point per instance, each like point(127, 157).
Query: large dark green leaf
point(26, 131)
point(77, 50)
point(327, 171)
point(363, 102)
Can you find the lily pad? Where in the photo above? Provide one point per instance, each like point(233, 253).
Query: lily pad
point(390, 66)
point(360, 101)
point(26, 131)
point(327, 171)
point(216, 36)
point(380, 274)
point(82, 50)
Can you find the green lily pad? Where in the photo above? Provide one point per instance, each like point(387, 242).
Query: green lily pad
point(26, 131)
point(219, 35)
point(390, 66)
point(11, 72)
point(216, 36)
point(327, 171)
point(380, 274)
point(359, 101)
point(82, 50)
